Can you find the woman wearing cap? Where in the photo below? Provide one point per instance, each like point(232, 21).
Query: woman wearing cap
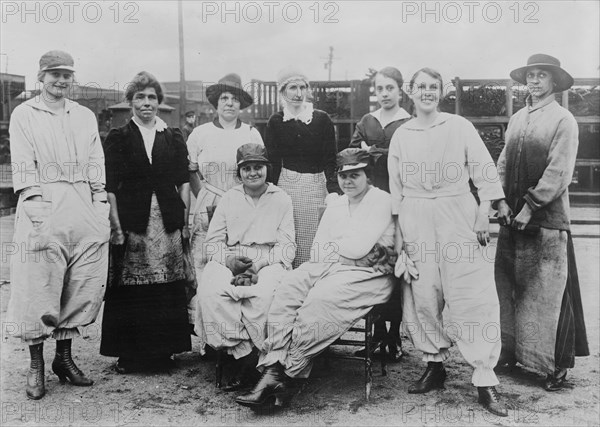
point(250, 244)
point(536, 274)
point(301, 146)
point(212, 148)
point(374, 132)
point(61, 221)
point(348, 274)
point(444, 231)
point(145, 317)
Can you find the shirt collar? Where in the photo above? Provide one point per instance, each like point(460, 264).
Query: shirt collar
point(159, 125)
point(440, 119)
point(217, 123)
point(546, 101)
point(401, 114)
point(37, 103)
point(305, 115)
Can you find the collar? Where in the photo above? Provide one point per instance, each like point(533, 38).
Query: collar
point(217, 123)
point(159, 125)
point(305, 115)
point(401, 114)
point(440, 119)
point(544, 102)
point(37, 103)
point(270, 189)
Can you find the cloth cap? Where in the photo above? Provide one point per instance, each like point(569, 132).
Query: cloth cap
point(287, 75)
point(251, 152)
point(352, 158)
point(562, 79)
point(190, 113)
point(56, 60)
point(230, 83)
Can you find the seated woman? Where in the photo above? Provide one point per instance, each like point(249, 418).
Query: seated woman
point(320, 300)
point(249, 245)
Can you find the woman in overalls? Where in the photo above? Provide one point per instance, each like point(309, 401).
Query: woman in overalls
point(58, 277)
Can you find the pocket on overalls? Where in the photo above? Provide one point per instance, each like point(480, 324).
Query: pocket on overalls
point(37, 212)
point(102, 211)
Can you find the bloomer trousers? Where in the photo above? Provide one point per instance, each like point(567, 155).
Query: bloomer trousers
point(58, 272)
point(456, 272)
point(234, 318)
point(313, 306)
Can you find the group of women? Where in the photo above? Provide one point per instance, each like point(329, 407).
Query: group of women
point(278, 278)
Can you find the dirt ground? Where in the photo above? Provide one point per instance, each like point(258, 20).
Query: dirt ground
point(332, 396)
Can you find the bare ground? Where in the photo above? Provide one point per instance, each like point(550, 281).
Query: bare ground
point(333, 396)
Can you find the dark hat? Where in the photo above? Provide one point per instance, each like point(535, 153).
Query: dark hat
point(352, 158)
point(251, 152)
point(56, 60)
point(230, 83)
point(190, 113)
point(562, 79)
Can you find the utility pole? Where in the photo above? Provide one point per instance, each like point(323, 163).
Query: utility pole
point(182, 100)
point(329, 62)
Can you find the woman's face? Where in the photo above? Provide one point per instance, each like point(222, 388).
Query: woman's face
point(540, 82)
point(228, 107)
point(425, 93)
point(295, 92)
point(145, 104)
point(387, 91)
point(254, 175)
point(353, 182)
point(56, 84)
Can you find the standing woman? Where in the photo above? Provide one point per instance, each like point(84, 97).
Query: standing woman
point(301, 146)
point(374, 132)
point(536, 274)
point(61, 220)
point(145, 318)
point(431, 159)
point(212, 166)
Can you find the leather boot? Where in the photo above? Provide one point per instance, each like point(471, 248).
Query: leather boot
point(35, 387)
point(274, 385)
point(65, 368)
point(433, 377)
point(490, 399)
point(246, 375)
point(556, 381)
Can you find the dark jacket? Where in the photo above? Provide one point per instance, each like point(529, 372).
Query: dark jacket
point(303, 148)
point(537, 163)
point(131, 177)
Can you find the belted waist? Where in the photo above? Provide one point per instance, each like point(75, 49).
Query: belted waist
point(421, 194)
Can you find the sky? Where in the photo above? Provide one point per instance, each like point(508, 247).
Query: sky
point(111, 41)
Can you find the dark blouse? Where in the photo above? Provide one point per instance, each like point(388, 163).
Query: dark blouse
point(369, 129)
point(133, 179)
point(303, 148)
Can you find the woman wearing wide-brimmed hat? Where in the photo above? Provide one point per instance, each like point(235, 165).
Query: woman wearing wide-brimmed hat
point(301, 145)
point(541, 312)
point(212, 151)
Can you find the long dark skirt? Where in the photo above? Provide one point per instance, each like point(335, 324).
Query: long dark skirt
point(571, 336)
point(145, 322)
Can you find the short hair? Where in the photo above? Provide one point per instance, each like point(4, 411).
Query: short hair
point(391, 73)
point(431, 73)
point(269, 171)
point(141, 81)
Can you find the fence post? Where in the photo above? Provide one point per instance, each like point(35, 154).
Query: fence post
point(458, 87)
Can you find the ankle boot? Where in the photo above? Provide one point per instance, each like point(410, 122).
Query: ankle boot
point(65, 368)
point(246, 374)
point(490, 399)
point(433, 377)
point(274, 385)
point(35, 387)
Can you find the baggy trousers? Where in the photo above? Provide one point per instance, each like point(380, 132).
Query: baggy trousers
point(454, 271)
point(313, 306)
